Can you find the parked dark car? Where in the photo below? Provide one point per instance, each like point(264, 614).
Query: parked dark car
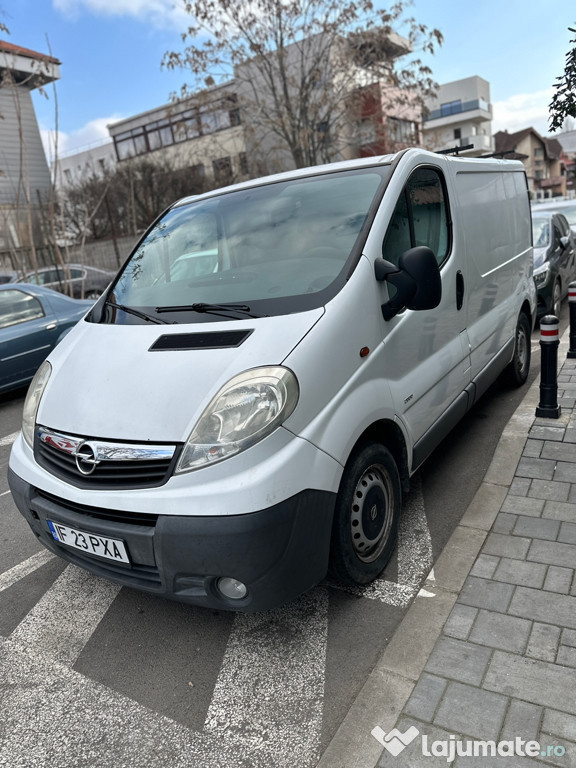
point(7, 276)
point(33, 319)
point(85, 282)
point(554, 259)
point(565, 207)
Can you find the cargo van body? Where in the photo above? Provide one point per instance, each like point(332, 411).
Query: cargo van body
point(243, 409)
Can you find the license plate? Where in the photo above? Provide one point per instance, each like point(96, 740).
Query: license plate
point(90, 543)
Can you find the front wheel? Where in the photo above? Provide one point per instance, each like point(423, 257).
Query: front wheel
point(517, 371)
point(366, 516)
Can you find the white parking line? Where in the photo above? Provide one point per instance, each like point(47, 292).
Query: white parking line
point(270, 690)
point(23, 569)
point(9, 439)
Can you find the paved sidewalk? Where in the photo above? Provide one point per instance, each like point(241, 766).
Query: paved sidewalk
point(504, 666)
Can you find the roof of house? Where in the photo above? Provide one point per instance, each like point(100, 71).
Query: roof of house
point(17, 50)
point(508, 142)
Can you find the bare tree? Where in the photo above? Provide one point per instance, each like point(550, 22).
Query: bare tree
point(563, 104)
point(304, 71)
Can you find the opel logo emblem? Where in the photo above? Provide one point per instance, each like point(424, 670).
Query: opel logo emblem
point(373, 512)
point(86, 458)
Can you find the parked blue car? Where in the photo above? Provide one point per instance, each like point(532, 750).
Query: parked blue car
point(33, 320)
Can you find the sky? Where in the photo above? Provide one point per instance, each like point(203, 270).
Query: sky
point(111, 55)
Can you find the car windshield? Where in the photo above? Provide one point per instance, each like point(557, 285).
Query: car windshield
point(541, 232)
point(275, 248)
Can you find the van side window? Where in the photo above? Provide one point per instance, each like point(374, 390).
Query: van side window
point(420, 218)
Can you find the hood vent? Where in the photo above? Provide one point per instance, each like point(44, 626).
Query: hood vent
point(206, 340)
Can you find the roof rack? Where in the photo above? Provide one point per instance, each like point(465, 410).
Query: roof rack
point(454, 150)
point(501, 154)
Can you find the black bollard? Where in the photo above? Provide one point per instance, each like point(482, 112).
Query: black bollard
point(549, 343)
point(572, 307)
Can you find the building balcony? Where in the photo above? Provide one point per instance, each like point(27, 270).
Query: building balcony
point(468, 111)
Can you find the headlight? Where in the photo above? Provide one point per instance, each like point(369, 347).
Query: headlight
point(247, 409)
point(541, 275)
point(32, 401)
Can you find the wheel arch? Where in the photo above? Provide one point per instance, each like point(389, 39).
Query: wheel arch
point(389, 434)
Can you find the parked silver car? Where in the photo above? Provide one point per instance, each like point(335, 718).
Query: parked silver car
point(78, 280)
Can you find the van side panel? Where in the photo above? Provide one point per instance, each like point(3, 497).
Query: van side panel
point(498, 257)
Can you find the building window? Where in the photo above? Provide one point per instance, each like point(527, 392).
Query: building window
point(457, 133)
point(68, 175)
point(243, 163)
point(539, 152)
point(222, 168)
point(402, 131)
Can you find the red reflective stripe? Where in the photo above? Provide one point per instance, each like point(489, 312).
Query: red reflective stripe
point(549, 333)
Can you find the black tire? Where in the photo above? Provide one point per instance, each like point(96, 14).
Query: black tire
point(366, 516)
point(517, 371)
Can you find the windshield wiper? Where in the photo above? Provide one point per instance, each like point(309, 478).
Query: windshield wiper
point(215, 309)
point(137, 313)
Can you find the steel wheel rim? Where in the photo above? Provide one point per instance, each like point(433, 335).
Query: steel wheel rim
point(521, 350)
point(371, 513)
point(557, 300)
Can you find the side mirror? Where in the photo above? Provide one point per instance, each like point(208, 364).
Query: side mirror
point(564, 242)
point(416, 279)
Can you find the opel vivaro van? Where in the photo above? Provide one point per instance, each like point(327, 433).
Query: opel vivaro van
point(243, 408)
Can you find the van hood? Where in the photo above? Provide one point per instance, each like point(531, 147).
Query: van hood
point(108, 383)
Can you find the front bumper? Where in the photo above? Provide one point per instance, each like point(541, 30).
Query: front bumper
point(278, 552)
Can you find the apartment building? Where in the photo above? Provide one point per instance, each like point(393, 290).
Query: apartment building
point(542, 157)
point(460, 115)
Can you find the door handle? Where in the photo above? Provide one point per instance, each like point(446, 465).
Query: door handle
point(50, 326)
point(459, 290)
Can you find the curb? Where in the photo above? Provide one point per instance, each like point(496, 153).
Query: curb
point(389, 685)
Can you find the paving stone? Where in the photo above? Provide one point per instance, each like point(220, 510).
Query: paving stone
point(485, 566)
point(506, 546)
point(531, 680)
point(546, 607)
point(542, 469)
point(559, 510)
point(520, 572)
point(552, 552)
point(564, 759)
point(520, 486)
point(472, 711)
point(546, 433)
point(520, 505)
point(543, 642)
point(458, 660)
point(537, 528)
point(567, 533)
point(568, 637)
point(558, 451)
point(572, 494)
point(570, 435)
point(496, 630)
point(549, 489)
point(559, 724)
point(482, 593)
point(558, 579)
point(565, 471)
point(460, 621)
point(412, 756)
point(523, 720)
point(492, 762)
point(566, 656)
point(533, 448)
point(504, 523)
point(425, 697)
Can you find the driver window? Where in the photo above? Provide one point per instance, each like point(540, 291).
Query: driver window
point(420, 218)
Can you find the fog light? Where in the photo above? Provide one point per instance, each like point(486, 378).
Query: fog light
point(232, 588)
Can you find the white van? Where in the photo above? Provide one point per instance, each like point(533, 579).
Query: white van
point(242, 410)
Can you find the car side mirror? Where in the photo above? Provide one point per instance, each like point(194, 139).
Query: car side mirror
point(416, 279)
point(564, 242)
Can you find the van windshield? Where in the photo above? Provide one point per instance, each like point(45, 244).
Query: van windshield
point(272, 249)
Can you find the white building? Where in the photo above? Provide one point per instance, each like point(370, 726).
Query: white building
point(460, 115)
point(79, 165)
